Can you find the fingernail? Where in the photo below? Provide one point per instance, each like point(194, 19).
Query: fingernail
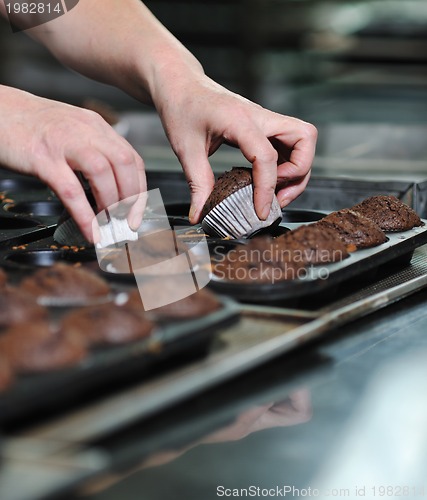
point(265, 212)
point(134, 221)
point(283, 201)
point(192, 212)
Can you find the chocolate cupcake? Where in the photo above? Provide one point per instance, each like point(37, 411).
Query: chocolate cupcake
point(230, 212)
point(36, 347)
point(353, 228)
point(198, 304)
point(62, 284)
point(313, 244)
point(106, 324)
point(262, 260)
point(6, 375)
point(389, 213)
point(17, 306)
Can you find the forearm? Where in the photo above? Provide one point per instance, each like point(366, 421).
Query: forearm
point(118, 42)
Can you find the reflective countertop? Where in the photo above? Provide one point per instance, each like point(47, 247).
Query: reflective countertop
point(344, 417)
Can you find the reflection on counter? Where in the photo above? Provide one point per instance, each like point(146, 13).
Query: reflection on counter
point(293, 410)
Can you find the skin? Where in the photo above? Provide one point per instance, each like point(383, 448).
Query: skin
point(54, 140)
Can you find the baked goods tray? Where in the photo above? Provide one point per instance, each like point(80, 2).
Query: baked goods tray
point(70, 442)
point(261, 334)
point(316, 281)
point(109, 368)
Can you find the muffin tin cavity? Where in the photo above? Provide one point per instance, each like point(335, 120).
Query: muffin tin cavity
point(45, 208)
point(178, 222)
point(45, 258)
point(177, 209)
point(14, 223)
point(19, 185)
point(300, 216)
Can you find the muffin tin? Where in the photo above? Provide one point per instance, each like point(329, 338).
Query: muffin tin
point(29, 214)
point(104, 368)
point(108, 368)
point(36, 212)
point(314, 281)
point(28, 209)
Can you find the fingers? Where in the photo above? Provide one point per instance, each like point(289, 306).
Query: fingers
point(276, 139)
point(115, 172)
point(69, 190)
point(200, 179)
point(136, 213)
point(259, 151)
point(299, 141)
point(292, 190)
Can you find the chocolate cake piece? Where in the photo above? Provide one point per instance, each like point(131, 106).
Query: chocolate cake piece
point(36, 347)
point(106, 324)
point(313, 244)
point(65, 281)
point(17, 306)
point(262, 260)
point(227, 183)
point(353, 228)
point(390, 213)
point(199, 304)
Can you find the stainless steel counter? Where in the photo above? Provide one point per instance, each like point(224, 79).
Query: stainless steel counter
point(347, 401)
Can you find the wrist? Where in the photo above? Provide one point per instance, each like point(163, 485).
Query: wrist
point(170, 71)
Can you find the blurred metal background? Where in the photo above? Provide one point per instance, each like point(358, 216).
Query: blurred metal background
point(356, 69)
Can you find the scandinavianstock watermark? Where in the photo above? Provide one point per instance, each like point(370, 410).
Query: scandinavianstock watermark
point(24, 15)
point(272, 263)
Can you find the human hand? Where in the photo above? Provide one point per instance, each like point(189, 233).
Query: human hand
point(53, 141)
point(199, 115)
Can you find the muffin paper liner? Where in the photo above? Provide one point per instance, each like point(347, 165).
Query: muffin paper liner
point(235, 216)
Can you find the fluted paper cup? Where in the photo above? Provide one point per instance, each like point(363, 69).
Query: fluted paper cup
point(235, 216)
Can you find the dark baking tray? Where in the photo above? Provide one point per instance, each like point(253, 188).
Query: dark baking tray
point(396, 251)
point(107, 369)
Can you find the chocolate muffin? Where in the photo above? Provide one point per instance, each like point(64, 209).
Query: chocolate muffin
point(17, 306)
point(260, 261)
point(106, 324)
point(354, 229)
point(230, 211)
point(390, 213)
point(62, 281)
point(36, 347)
point(227, 183)
point(198, 304)
point(6, 375)
point(313, 244)
point(3, 278)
